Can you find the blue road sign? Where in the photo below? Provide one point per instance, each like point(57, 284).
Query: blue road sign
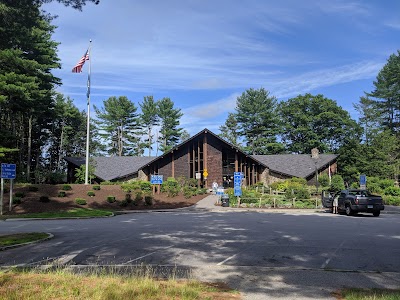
point(156, 179)
point(237, 191)
point(363, 179)
point(8, 171)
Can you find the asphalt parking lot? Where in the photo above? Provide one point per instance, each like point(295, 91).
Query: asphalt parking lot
point(262, 254)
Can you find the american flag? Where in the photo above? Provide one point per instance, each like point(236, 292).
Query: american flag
point(81, 62)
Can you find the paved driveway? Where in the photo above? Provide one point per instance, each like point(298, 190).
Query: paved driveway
point(293, 256)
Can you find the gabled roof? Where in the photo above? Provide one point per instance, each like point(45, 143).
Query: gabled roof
point(297, 165)
point(114, 167)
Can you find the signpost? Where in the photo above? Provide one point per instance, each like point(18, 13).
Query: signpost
point(156, 179)
point(8, 171)
point(363, 182)
point(237, 183)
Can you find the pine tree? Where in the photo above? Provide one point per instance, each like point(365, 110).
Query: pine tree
point(149, 119)
point(169, 121)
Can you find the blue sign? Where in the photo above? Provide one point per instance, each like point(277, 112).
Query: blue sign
point(237, 183)
point(156, 179)
point(363, 179)
point(8, 171)
point(237, 191)
point(220, 190)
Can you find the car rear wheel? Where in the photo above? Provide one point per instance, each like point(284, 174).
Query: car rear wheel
point(349, 211)
point(376, 213)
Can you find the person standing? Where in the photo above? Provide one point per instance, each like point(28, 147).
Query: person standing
point(335, 205)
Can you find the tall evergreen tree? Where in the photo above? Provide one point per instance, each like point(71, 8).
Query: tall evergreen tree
point(169, 121)
point(387, 94)
point(27, 56)
point(369, 120)
point(149, 118)
point(230, 129)
point(258, 121)
point(119, 123)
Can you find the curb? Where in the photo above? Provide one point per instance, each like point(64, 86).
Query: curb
point(50, 236)
point(61, 218)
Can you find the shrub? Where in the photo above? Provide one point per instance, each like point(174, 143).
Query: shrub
point(96, 187)
point(33, 188)
point(391, 200)
point(171, 187)
point(16, 200)
point(62, 194)
point(323, 180)
point(55, 178)
point(148, 200)
point(145, 186)
point(337, 183)
point(110, 199)
point(138, 198)
point(107, 182)
point(91, 194)
point(128, 198)
point(390, 191)
point(44, 199)
point(80, 201)
point(201, 191)
point(123, 203)
point(20, 194)
point(66, 187)
point(187, 192)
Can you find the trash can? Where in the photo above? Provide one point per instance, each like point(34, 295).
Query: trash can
point(225, 200)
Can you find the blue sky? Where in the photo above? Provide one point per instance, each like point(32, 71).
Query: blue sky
point(204, 54)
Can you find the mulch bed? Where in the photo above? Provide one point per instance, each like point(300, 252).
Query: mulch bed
point(31, 204)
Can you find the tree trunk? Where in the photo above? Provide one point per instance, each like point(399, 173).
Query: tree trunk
point(149, 141)
point(28, 161)
point(60, 151)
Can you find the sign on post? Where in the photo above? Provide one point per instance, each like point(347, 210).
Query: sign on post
point(156, 179)
point(237, 184)
point(363, 182)
point(205, 173)
point(8, 171)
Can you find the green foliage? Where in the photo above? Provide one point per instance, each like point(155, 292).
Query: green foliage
point(391, 200)
point(80, 174)
point(128, 198)
point(169, 122)
point(323, 180)
point(66, 187)
point(315, 122)
point(148, 200)
point(107, 182)
point(171, 187)
point(120, 126)
point(149, 118)
point(80, 201)
point(392, 191)
point(111, 199)
point(20, 194)
point(33, 188)
point(142, 185)
point(44, 199)
point(96, 187)
point(17, 200)
point(138, 198)
point(337, 183)
point(145, 186)
point(55, 177)
point(61, 194)
point(124, 203)
point(91, 193)
point(230, 130)
point(189, 191)
point(258, 121)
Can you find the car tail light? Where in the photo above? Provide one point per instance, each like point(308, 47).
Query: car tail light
point(356, 200)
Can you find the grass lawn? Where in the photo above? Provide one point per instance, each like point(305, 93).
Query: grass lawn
point(65, 285)
point(72, 213)
point(370, 294)
point(20, 238)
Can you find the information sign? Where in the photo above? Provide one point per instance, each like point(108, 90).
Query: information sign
point(8, 171)
point(156, 179)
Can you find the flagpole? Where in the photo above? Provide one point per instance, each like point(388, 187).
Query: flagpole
point(88, 117)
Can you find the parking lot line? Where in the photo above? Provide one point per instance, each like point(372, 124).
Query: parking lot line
point(329, 259)
point(234, 255)
point(148, 254)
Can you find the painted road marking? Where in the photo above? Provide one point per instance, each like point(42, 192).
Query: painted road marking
point(148, 254)
point(334, 253)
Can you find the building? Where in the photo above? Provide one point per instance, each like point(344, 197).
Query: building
point(208, 158)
